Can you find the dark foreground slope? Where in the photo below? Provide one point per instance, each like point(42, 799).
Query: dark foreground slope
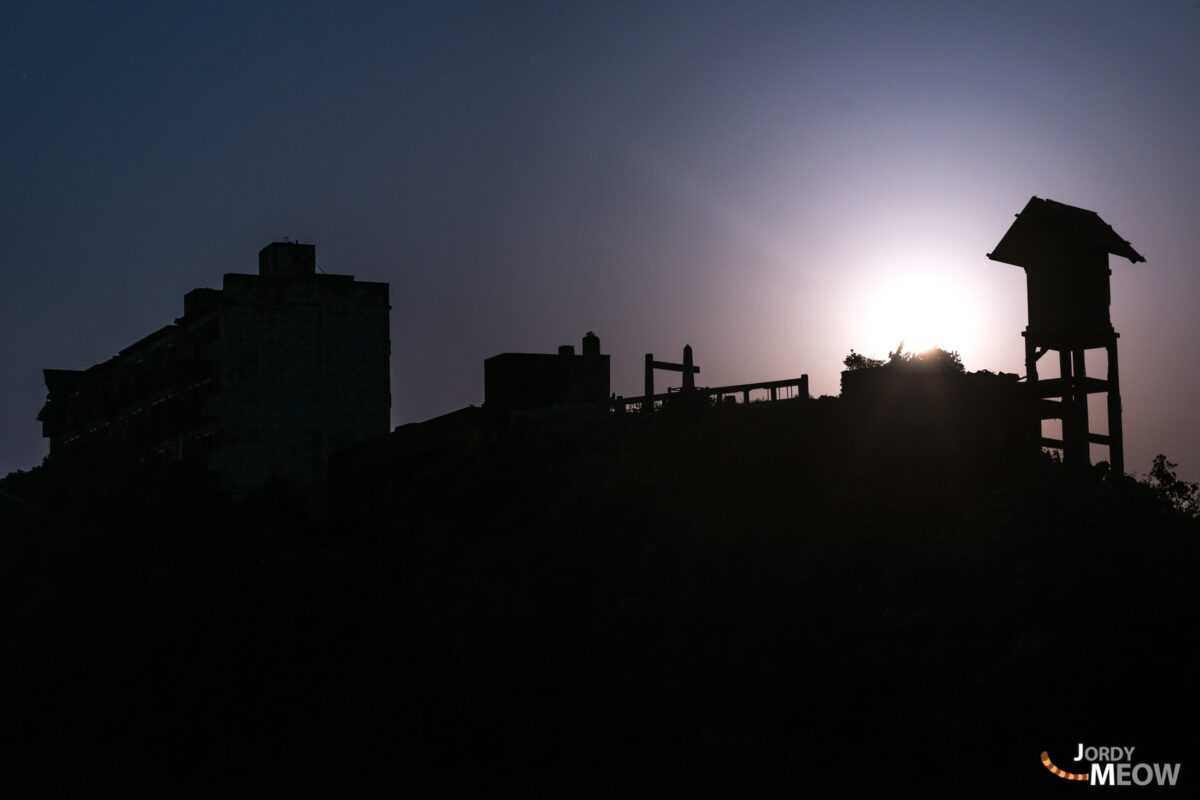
point(726, 602)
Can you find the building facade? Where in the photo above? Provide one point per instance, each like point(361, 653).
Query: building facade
point(257, 383)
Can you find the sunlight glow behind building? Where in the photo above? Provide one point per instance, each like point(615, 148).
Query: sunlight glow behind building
point(924, 310)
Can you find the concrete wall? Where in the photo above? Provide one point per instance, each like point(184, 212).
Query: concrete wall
point(304, 372)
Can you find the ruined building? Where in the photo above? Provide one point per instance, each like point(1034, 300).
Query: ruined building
point(257, 383)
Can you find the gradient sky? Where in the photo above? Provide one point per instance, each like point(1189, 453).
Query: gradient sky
point(769, 182)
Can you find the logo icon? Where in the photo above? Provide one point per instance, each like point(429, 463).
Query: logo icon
point(1071, 776)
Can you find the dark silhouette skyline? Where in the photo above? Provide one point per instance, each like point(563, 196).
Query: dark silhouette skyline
point(261, 383)
point(760, 182)
point(889, 590)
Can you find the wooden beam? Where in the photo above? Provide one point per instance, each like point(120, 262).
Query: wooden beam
point(669, 367)
point(1057, 387)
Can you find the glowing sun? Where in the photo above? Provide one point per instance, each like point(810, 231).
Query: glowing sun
point(922, 310)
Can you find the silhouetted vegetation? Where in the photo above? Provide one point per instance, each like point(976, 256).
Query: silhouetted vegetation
point(934, 359)
point(859, 361)
point(1180, 495)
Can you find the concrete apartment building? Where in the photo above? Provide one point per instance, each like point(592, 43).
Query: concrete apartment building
point(257, 383)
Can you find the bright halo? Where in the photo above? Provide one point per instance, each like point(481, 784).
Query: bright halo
point(922, 310)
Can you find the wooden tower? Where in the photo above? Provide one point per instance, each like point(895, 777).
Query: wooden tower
point(1064, 251)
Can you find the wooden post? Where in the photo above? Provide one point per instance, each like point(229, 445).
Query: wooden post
point(1031, 378)
point(689, 374)
point(1081, 408)
point(1031, 375)
point(1070, 417)
point(1116, 443)
point(648, 402)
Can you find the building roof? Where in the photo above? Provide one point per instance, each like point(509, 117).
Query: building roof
point(1043, 221)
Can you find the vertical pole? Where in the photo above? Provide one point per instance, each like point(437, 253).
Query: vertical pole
point(648, 402)
point(689, 377)
point(1031, 379)
point(1030, 359)
point(1081, 408)
point(1116, 444)
point(1070, 425)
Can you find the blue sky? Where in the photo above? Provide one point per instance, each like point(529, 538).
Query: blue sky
point(773, 183)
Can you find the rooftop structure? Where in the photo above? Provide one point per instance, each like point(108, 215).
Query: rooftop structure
point(524, 381)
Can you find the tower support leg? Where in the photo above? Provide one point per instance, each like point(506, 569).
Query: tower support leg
point(1070, 412)
point(1031, 378)
point(1116, 441)
point(1082, 430)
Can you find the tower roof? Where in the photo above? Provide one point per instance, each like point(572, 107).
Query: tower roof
point(1042, 222)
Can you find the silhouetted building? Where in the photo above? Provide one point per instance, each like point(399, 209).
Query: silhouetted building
point(258, 382)
point(523, 381)
point(1064, 251)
